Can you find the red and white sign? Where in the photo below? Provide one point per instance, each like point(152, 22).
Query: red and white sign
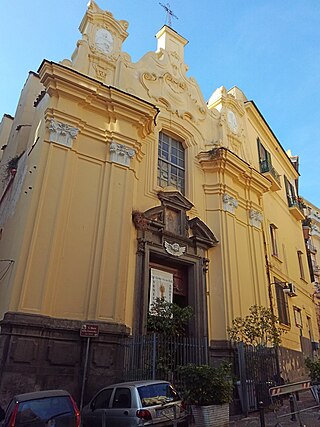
point(89, 330)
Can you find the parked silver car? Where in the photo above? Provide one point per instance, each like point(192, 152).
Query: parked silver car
point(132, 404)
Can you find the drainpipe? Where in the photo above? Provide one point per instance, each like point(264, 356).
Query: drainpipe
point(276, 346)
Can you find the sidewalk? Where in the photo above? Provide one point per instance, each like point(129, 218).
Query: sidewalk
point(309, 418)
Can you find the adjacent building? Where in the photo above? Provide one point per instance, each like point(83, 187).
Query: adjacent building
point(121, 184)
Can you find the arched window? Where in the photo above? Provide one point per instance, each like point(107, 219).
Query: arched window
point(171, 163)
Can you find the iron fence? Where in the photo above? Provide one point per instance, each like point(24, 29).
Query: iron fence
point(258, 371)
point(157, 356)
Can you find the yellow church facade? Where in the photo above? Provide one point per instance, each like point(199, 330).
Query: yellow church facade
point(118, 175)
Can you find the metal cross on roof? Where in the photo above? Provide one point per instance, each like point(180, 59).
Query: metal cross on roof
point(169, 13)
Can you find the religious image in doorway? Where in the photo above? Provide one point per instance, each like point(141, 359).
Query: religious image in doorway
point(161, 286)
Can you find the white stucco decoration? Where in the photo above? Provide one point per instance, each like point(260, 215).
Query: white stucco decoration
point(256, 218)
point(61, 133)
point(104, 41)
point(232, 121)
point(229, 203)
point(174, 248)
point(121, 154)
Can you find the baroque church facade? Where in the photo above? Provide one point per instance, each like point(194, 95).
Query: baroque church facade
point(120, 176)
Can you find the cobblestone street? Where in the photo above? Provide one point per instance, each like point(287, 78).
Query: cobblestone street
point(309, 418)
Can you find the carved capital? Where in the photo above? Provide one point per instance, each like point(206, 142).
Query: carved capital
point(141, 247)
point(256, 218)
point(230, 203)
point(61, 133)
point(121, 154)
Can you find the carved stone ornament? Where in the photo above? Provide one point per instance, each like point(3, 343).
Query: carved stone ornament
point(101, 72)
point(104, 40)
point(61, 133)
point(256, 218)
point(121, 154)
point(175, 94)
point(174, 248)
point(229, 203)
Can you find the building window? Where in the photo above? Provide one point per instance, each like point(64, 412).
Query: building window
point(273, 234)
point(264, 158)
point(282, 304)
point(310, 332)
point(297, 317)
point(291, 194)
point(171, 163)
point(300, 260)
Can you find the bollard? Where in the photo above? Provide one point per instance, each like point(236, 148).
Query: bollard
point(261, 412)
point(292, 408)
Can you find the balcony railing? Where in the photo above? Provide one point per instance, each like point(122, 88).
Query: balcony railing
point(267, 169)
point(295, 207)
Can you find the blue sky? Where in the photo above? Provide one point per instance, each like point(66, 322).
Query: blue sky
point(268, 48)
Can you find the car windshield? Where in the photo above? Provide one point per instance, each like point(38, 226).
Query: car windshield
point(41, 411)
point(157, 394)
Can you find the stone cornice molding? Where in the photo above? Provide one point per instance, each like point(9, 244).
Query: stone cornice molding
point(223, 161)
point(114, 104)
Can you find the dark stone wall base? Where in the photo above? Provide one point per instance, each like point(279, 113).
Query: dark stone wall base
point(40, 352)
point(292, 365)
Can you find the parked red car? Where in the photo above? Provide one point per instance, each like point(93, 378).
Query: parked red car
point(50, 408)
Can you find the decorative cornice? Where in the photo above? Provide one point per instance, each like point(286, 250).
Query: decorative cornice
point(121, 154)
point(223, 161)
point(230, 203)
point(62, 133)
point(256, 218)
point(63, 82)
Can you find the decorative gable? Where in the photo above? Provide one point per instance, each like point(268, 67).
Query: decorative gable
point(171, 220)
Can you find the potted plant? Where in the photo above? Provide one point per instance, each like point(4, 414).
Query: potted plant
point(313, 365)
point(209, 391)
